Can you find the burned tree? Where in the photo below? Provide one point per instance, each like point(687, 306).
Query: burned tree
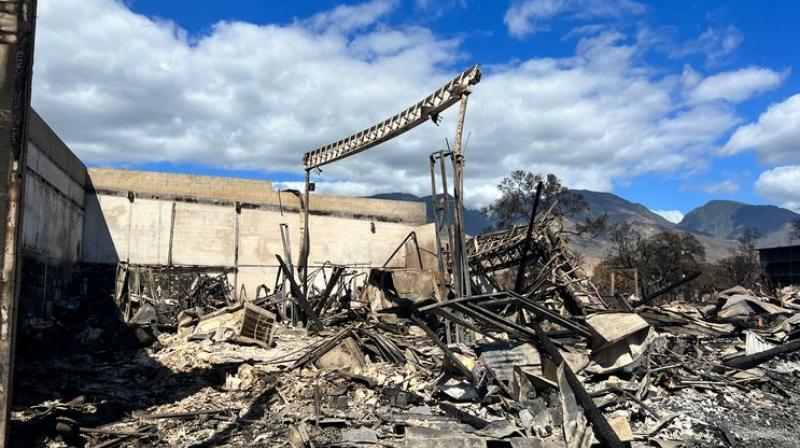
point(743, 266)
point(518, 192)
point(659, 260)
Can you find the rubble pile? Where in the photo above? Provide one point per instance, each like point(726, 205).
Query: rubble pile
point(392, 358)
point(157, 295)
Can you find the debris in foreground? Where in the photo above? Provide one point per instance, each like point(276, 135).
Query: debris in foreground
point(548, 365)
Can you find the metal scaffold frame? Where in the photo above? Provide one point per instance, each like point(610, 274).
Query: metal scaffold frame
point(455, 91)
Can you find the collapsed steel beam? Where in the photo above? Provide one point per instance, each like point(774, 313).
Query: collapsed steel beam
point(430, 107)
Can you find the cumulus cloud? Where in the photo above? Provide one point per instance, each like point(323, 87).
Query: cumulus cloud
point(734, 86)
point(130, 89)
point(781, 184)
point(526, 17)
point(673, 216)
point(775, 136)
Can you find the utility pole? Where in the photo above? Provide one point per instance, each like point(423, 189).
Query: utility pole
point(17, 30)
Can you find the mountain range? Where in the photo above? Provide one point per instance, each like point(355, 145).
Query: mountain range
point(717, 224)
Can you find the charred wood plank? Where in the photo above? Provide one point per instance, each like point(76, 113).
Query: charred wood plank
point(323, 299)
point(750, 361)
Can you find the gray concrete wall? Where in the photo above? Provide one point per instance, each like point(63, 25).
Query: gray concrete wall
point(54, 198)
point(101, 216)
point(52, 220)
point(228, 189)
point(132, 220)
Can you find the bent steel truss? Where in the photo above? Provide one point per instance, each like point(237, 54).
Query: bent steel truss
point(438, 101)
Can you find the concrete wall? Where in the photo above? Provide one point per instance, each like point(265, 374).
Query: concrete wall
point(225, 222)
point(228, 189)
point(52, 232)
point(101, 216)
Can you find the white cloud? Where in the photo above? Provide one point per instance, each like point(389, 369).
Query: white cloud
point(673, 216)
point(346, 18)
point(433, 9)
point(130, 89)
point(526, 17)
point(727, 186)
point(775, 136)
point(716, 43)
point(781, 184)
point(734, 86)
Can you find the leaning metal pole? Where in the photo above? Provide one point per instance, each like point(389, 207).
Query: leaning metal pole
point(18, 18)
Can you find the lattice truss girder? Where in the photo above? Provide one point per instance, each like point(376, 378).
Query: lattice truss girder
point(431, 106)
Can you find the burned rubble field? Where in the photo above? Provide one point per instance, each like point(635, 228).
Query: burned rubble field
point(386, 358)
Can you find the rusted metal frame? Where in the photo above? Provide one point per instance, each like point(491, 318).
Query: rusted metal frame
point(461, 300)
point(526, 244)
point(603, 431)
point(323, 299)
point(311, 317)
point(441, 312)
point(429, 107)
point(555, 318)
point(411, 236)
point(543, 312)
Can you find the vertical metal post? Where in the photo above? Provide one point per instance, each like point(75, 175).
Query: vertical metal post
point(238, 214)
point(460, 253)
point(436, 223)
point(16, 56)
point(302, 262)
point(463, 280)
point(289, 308)
point(447, 216)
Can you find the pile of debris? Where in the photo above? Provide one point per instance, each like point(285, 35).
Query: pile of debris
point(372, 359)
point(156, 295)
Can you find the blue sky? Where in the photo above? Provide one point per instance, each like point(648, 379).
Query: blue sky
point(669, 103)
